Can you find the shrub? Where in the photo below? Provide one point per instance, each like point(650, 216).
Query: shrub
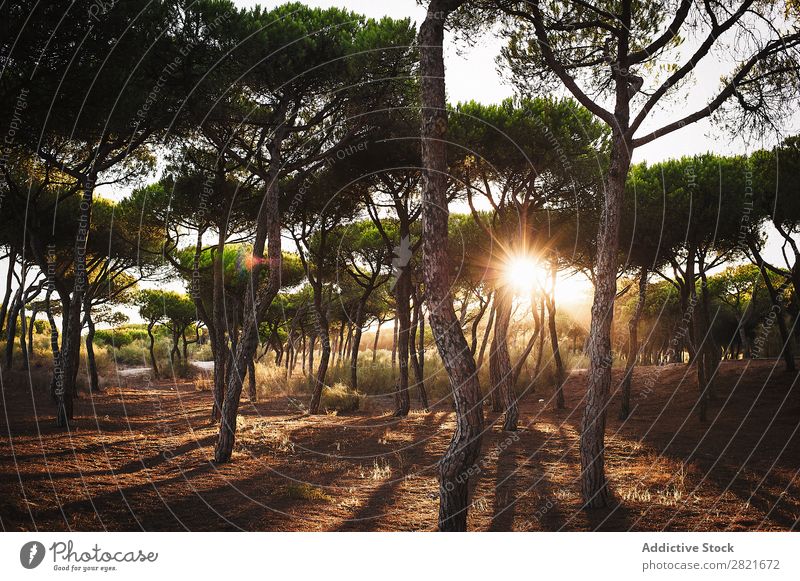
point(339, 398)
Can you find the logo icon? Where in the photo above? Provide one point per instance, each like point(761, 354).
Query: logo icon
point(31, 554)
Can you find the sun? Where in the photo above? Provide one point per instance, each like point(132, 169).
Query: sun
point(524, 274)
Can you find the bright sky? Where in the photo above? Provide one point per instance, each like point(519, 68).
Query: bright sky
point(472, 74)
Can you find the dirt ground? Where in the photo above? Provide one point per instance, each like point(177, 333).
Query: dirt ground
point(140, 457)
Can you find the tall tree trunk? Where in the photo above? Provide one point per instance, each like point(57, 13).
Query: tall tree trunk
point(91, 362)
point(417, 354)
point(778, 308)
point(375, 342)
point(459, 460)
point(23, 335)
point(31, 328)
point(540, 354)
point(359, 325)
point(486, 331)
point(500, 361)
point(252, 393)
point(402, 292)
point(557, 361)
point(633, 346)
point(12, 261)
point(325, 355)
point(394, 346)
point(473, 347)
point(259, 297)
point(54, 345)
point(151, 348)
point(70, 348)
point(11, 327)
point(594, 487)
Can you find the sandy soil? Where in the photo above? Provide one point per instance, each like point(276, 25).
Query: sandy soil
point(140, 456)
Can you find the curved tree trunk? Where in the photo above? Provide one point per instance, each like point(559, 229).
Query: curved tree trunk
point(594, 488)
point(70, 348)
point(488, 329)
point(500, 362)
point(31, 329)
point(633, 346)
point(260, 295)
point(325, 355)
point(91, 362)
point(12, 261)
point(356, 345)
point(151, 349)
point(375, 342)
point(458, 463)
point(557, 361)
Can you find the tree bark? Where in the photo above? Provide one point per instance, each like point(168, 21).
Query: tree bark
point(12, 261)
point(500, 361)
point(325, 355)
point(91, 362)
point(70, 348)
point(633, 346)
point(258, 299)
point(486, 331)
point(402, 291)
point(557, 361)
point(151, 349)
point(458, 463)
point(594, 487)
point(375, 342)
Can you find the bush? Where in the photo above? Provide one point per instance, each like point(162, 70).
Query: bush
point(339, 399)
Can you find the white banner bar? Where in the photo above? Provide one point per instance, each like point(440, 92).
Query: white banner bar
point(395, 556)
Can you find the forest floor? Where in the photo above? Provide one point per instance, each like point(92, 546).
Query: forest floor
point(140, 457)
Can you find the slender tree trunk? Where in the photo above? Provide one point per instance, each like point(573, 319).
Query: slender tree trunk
point(12, 261)
point(633, 346)
point(473, 347)
point(252, 393)
point(325, 355)
point(402, 292)
point(500, 362)
point(486, 331)
point(394, 346)
point(459, 460)
point(525, 353)
point(70, 351)
point(11, 327)
point(778, 308)
point(31, 329)
point(259, 297)
point(151, 349)
point(91, 362)
point(359, 325)
point(311, 348)
point(557, 361)
point(416, 362)
point(23, 335)
point(594, 487)
point(375, 342)
point(540, 354)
